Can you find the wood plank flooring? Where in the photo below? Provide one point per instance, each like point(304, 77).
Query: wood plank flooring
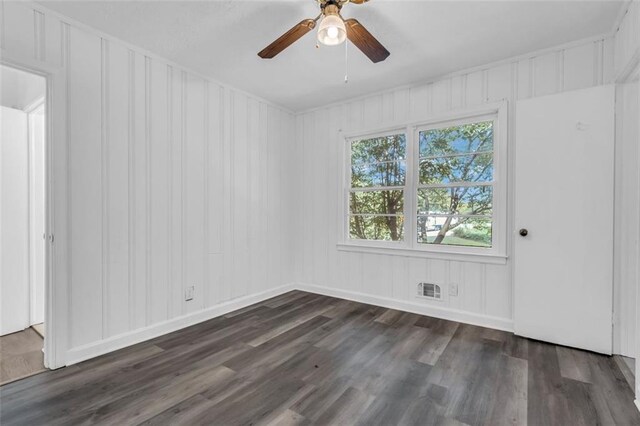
point(628, 368)
point(20, 355)
point(308, 359)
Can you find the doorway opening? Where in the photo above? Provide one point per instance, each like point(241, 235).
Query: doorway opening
point(23, 216)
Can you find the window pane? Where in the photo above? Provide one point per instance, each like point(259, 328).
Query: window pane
point(381, 228)
point(454, 231)
point(459, 168)
point(457, 140)
point(470, 200)
point(376, 202)
point(391, 173)
point(376, 150)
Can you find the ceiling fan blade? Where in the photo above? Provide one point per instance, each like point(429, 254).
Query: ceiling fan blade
point(364, 41)
point(358, 1)
point(287, 39)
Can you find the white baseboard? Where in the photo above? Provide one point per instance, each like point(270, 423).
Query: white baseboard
point(92, 350)
point(498, 323)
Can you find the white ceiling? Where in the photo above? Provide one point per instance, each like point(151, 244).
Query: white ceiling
point(19, 89)
point(426, 39)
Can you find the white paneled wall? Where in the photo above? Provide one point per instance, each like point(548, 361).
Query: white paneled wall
point(627, 218)
point(485, 290)
point(174, 181)
point(627, 40)
point(627, 249)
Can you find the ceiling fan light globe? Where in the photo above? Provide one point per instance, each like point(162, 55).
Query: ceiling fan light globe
point(332, 30)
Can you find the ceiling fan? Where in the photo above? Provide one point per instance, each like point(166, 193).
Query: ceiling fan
point(333, 30)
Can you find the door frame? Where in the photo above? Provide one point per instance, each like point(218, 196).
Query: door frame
point(56, 204)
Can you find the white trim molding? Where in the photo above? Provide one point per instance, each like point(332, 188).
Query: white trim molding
point(450, 314)
point(493, 259)
point(114, 343)
point(83, 353)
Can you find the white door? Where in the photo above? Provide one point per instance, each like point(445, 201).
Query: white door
point(564, 205)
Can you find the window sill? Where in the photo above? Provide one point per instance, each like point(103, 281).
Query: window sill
point(494, 259)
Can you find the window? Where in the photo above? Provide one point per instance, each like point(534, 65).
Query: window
point(376, 196)
point(428, 189)
point(455, 185)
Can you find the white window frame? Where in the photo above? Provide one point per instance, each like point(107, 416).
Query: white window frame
point(410, 246)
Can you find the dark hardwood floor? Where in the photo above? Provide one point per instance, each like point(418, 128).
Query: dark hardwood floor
point(302, 358)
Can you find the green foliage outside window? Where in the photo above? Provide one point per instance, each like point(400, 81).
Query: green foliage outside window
point(378, 162)
point(459, 161)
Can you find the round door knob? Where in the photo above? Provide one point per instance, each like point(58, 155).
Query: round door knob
point(524, 232)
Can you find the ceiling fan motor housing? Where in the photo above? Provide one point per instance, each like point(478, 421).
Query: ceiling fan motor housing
point(331, 7)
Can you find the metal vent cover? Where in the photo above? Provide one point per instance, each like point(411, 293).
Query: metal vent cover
point(430, 291)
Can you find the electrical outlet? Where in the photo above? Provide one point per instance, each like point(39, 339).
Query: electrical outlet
point(453, 289)
point(188, 293)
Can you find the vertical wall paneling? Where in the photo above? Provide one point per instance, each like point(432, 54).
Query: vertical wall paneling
point(253, 192)
point(159, 205)
point(2, 35)
point(175, 191)
point(18, 28)
point(215, 169)
point(86, 202)
point(104, 181)
point(193, 189)
point(545, 74)
point(205, 197)
point(262, 214)
point(52, 39)
point(169, 190)
point(627, 226)
point(627, 40)
point(182, 191)
point(272, 192)
point(580, 68)
point(116, 162)
point(627, 211)
point(138, 188)
point(174, 180)
point(239, 193)
point(39, 35)
point(147, 191)
point(227, 257)
point(131, 212)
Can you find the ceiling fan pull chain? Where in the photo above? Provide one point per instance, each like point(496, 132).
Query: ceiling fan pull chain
point(346, 62)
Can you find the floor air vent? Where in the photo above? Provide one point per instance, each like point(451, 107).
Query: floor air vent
point(429, 291)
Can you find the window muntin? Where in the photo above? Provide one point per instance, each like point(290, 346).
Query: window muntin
point(377, 188)
point(455, 185)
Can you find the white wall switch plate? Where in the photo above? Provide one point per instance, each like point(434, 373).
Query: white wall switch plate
point(188, 293)
point(453, 289)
